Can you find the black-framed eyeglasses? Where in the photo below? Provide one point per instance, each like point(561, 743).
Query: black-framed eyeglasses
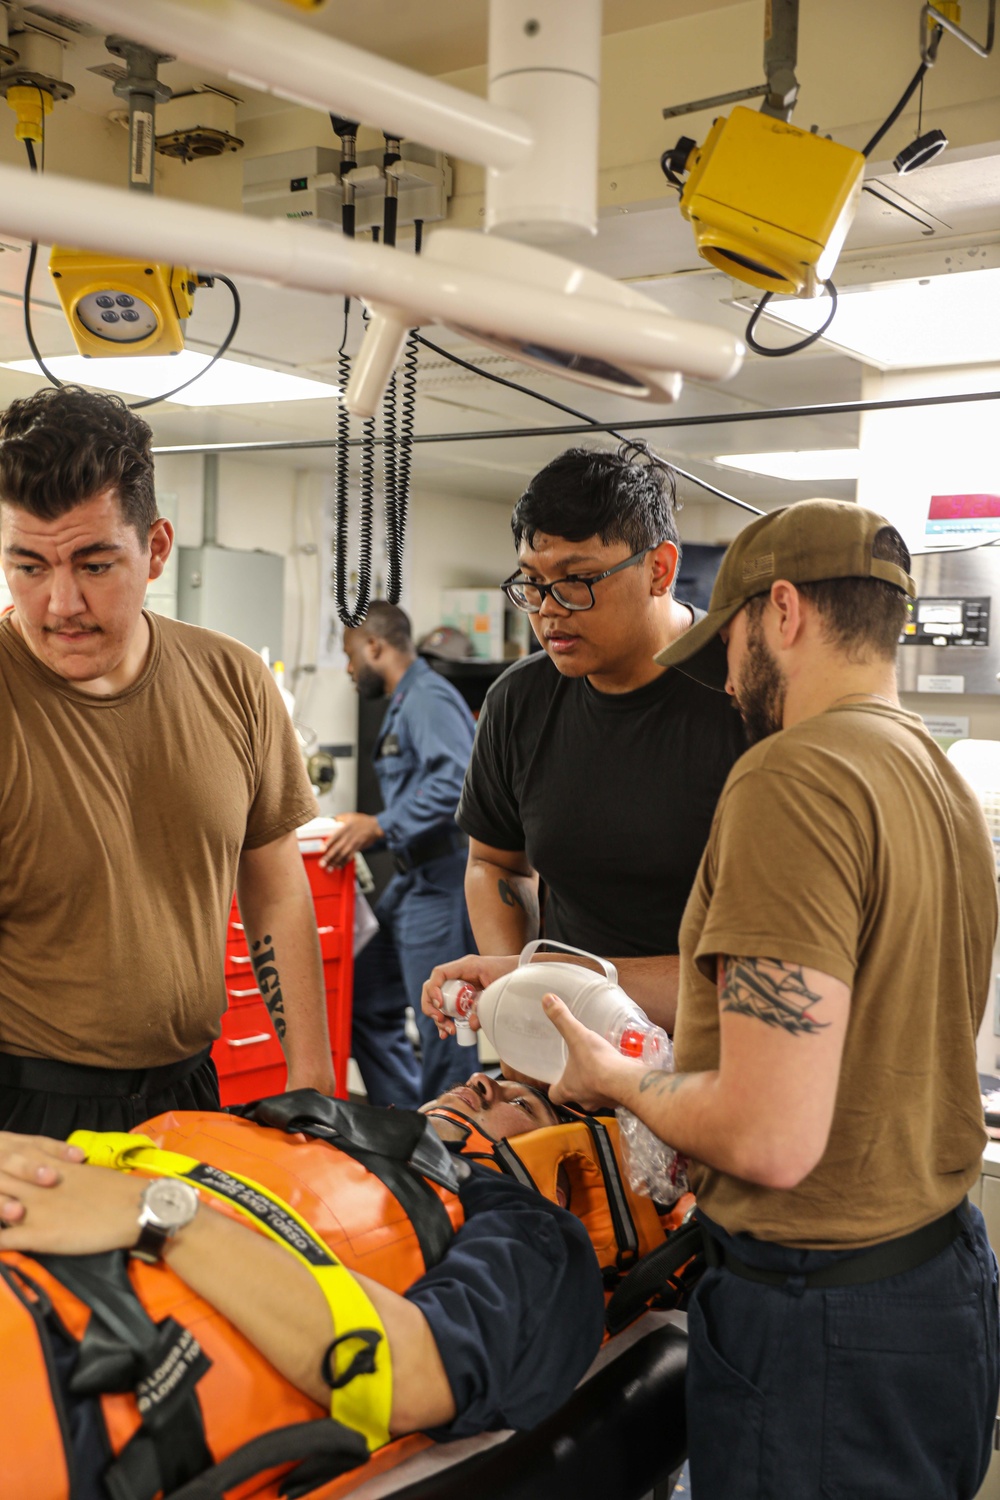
point(573, 592)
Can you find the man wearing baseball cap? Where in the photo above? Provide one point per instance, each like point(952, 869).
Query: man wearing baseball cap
point(835, 965)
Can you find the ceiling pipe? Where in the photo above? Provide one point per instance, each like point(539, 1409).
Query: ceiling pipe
point(257, 50)
point(92, 217)
point(582, 429)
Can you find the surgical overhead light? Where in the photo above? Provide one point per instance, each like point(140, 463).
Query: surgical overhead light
point(120, 307)
point(520, 274)
point(769, 204)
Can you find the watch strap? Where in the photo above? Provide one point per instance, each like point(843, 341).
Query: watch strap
point(149, 1246)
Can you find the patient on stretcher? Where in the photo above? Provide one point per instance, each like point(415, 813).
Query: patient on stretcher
point(493, 1333)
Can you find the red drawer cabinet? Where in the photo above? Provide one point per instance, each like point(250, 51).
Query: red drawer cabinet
point(248, 1055)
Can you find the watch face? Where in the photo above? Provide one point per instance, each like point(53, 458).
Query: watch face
point(171, 1204)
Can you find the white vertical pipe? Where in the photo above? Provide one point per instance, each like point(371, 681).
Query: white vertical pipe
point(254, 49)
point(544, 64)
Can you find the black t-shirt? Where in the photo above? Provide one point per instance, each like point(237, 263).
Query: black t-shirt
point(610, 795)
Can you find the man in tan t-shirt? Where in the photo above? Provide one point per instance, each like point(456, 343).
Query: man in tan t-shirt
point(149, 767)
point(835, 964)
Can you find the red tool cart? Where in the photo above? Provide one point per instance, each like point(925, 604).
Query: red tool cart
point(248, 1055)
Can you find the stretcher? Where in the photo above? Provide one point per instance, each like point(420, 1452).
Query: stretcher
point(72, 1326)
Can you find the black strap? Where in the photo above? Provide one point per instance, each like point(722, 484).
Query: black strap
point(506, 1155)
point(391, 1144)
point(322, 1449)
point(401, 1134)
point(169, 1448)
point(626, 1236)
point(668, 1274)
point(891, 1258)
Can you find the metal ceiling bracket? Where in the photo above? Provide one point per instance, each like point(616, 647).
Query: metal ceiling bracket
point(143, 91)
point(781, 46)
point(931, 18)
point(781, 43)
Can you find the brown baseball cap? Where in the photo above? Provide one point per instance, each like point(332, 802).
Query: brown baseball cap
point(803, 543)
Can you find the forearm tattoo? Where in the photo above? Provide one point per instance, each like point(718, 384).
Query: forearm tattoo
point(266, 972)
point(511, 896)
point(659, 1082)
point(774, 992)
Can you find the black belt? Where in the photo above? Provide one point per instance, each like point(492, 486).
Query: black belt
point(48, 1076)
point(875, 1264)
point(435, 844)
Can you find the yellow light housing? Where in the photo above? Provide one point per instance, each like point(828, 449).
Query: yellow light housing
point(771, 204)
point(120, 307)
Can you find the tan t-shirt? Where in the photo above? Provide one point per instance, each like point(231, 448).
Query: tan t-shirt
point(122, 820)
point(849, 844)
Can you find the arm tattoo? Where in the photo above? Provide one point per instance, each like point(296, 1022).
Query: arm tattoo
point(511, 896)
point(775, 992)
point(662, 1083)
point(268, 983)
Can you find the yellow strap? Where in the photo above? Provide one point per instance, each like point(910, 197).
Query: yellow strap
point(364, 1405)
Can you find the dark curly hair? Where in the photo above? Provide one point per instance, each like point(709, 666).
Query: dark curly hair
point(626, 496)
point(64, 445)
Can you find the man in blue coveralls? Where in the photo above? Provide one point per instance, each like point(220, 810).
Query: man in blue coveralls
point(420, 758)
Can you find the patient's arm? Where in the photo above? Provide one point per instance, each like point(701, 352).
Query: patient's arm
point(267, 1294)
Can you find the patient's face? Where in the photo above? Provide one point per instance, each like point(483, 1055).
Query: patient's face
point(498, 1106)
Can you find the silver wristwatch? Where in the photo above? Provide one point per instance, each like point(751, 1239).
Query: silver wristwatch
point(166, 1207)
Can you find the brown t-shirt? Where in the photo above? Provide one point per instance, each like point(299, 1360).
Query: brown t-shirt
point(122, 820)
point(849, 844)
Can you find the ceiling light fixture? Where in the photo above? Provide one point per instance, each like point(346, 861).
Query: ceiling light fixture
point(937, 320)
point(230, 382)
point(806, 465)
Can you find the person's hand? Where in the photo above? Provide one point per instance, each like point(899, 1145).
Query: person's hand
point(594, 1068)
point(35, 1158)
point(472, 969)
point(90, 1209)
point(354, 831)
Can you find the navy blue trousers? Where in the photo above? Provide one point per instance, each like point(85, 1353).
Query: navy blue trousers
point(886, 1391)
point(422, 922)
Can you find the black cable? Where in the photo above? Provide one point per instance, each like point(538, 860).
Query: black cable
point(788, 348)
point(907, 95)
point(411, 361)
point(572, 412)
point(166, 395)
point(29, 274)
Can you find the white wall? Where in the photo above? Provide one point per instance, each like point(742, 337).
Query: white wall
point(452, 542)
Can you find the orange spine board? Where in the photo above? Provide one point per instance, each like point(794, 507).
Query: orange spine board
point(350, 1210)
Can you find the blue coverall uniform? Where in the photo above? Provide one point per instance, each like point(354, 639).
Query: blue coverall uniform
point(420, 758)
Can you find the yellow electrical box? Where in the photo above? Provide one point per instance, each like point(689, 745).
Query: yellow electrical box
point(771, 204)
point(122, 307)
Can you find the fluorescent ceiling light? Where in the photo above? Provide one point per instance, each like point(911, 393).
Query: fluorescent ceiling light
point(817, 463)
point(228, 383)
point(939, 320)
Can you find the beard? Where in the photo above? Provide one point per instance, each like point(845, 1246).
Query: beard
point(368, 683)
point(760, 693)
